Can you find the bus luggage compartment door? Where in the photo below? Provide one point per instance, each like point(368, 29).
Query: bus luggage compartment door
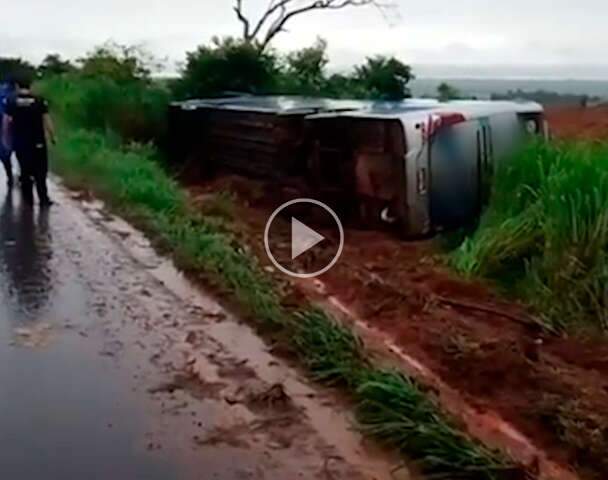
point(457, 158)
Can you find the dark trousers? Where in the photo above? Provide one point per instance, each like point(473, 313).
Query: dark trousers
point(34, 164)
point(5, 159)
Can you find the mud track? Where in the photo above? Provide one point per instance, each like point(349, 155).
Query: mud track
point(489, 351)
point(579, 123)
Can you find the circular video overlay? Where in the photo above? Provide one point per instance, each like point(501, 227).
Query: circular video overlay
point(298, 249)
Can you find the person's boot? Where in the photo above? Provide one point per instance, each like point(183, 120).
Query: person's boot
point(46, 202)
point(43, 193)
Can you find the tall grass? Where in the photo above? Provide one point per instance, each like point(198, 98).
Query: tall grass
point(391, 407)
point(546, 229)
point(135, 110)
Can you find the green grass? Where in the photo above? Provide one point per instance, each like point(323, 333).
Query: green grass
point(135, 110)
point(391, 407)
point(546, 232)
point(395, 410)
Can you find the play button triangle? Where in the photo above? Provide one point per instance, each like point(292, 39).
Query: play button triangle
point(303, 238)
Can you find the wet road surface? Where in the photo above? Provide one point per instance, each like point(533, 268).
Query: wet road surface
point(112, 366)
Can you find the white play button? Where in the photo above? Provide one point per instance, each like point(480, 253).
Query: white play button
point(294, 248)
point(303, 238)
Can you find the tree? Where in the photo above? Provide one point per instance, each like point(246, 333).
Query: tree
point(446, 92)
point(341, 85)
point(119, 63)
point(227, 65)
point(280, 12)
point(16, 68)
point(53, 64)
point(384, 78)
point(305, 69)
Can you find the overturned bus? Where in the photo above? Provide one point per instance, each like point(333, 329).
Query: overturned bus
point(421, 166)
point(417, 166)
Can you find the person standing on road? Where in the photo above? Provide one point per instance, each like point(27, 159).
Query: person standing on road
point(27, 117)
point(7, 89)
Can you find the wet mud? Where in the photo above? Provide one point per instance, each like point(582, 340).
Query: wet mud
point(489, 350)
point(579, 123)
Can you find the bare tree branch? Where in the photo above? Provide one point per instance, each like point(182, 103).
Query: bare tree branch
point(279, 24)
point(273, 7)
point(280, 12)
point(238, 9)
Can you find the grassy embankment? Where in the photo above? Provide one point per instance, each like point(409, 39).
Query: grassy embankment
point(91, 154)
point(545, 234)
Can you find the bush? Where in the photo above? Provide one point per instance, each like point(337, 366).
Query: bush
point(135, 110)
point(119, 63)
point(53, 64)
point(304, 72)
point(547, 228)
point(446, 92)
point(16, 68)
point(111, 91)
point(227, 65)
point(384, 78)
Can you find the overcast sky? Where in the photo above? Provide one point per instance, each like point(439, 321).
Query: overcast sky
point(440, 37)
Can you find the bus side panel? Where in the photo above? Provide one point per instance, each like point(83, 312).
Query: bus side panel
point(507, 136)
point(379, 147)
point(416, 219)
point(185, 128)
point(457, 158)
point(356, 166)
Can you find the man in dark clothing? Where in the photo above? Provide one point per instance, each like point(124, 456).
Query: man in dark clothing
point(7, 89)
point(27, 117)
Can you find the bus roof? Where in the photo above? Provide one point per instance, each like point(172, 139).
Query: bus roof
point(326, 107)
point(278, 104)
point(413, 109)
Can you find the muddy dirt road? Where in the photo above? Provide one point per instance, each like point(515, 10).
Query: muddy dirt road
point(113, 366)
point(576, 123)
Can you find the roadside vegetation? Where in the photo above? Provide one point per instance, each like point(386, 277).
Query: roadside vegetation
point(544, 235)
point(110, 91)
point(98, 151)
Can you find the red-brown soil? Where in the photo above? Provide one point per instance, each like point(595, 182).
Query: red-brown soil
point(579, 123)
point(554, 390)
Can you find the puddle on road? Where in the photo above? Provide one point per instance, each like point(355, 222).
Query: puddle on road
point(26, 254)
point(64, 410)
point(38, 336)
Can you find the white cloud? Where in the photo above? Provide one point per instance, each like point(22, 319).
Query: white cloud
point(469, 32)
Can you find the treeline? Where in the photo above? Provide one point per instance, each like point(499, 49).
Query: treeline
point(233, 65)
point(119, 88)
point(545, 97)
